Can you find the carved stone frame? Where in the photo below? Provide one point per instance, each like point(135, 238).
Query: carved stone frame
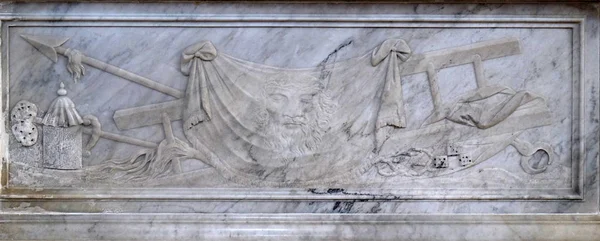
point(581, 198)
point(315, 21)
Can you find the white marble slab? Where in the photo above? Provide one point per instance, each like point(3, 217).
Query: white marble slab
point(393, 114)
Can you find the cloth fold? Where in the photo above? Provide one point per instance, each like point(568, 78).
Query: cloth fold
point(485, 107)
point(196, 97)
point(391, 111)
point(286, 125)
point(395, 47)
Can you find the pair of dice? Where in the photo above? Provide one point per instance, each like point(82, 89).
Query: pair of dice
point(442, 161)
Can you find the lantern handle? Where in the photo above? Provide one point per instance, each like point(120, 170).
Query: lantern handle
point(90, 120)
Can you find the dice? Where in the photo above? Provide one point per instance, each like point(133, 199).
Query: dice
point(453, 150)
point(440, 161)
point(465, 160)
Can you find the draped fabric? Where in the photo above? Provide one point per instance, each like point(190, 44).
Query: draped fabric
point(485, 107)
point(196, 96)
point(291, 125)
point(263, 124)
point(489, 106)
point(392, 104)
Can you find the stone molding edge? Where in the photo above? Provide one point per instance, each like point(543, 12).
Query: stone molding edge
point(298, 226)
point(284, 194)
point(46, 225)
point(363, 18)
point(324, 1)
point(452, 218)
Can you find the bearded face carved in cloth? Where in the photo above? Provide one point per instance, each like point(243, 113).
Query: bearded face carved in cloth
point(286, 126)
point(296, 117)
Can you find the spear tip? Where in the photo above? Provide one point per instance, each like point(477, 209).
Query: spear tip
point(45, 44)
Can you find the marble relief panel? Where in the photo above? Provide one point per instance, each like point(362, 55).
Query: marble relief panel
point(424, 110)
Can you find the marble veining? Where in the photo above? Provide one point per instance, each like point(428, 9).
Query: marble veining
point(430, 135)
point(305, 121)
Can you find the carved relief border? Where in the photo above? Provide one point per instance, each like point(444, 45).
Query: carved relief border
point(577, 149)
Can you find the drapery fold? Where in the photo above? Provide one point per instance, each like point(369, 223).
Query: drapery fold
point(286, 126)
point(196, 95)
point(391, 111)
point(484, 107)
point(291, 125)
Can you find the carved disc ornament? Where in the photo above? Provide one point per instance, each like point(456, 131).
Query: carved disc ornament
point(23, 117)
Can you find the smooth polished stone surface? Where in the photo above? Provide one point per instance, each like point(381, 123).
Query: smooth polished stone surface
point(303, 227)
point(278, 117)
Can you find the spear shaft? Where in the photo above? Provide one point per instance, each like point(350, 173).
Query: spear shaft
point(126, 74)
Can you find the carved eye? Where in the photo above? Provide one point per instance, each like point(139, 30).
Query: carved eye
point(307, 98)
point(277, 97)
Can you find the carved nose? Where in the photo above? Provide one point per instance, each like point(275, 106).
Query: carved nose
point(292, 110)
point(292, 114)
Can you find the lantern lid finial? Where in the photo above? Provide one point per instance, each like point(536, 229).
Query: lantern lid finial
point(62, 91)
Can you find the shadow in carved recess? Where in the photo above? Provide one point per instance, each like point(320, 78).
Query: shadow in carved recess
point(266, 126)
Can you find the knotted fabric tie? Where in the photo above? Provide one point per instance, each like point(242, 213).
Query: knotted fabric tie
point(197, 105)
point(391, 111)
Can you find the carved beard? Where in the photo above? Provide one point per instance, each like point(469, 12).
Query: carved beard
point(290, 143)
point(279, 142)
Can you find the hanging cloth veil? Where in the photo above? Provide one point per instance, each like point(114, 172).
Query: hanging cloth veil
point(286, 126)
